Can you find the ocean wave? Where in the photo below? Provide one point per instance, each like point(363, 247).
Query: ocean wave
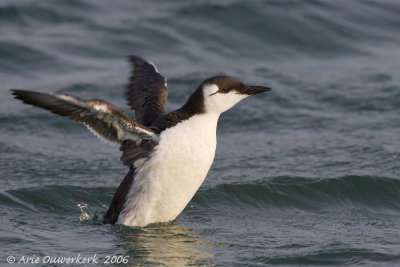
point(308, 194)
point(334, 256)
point(278, 192)
point(56, 198)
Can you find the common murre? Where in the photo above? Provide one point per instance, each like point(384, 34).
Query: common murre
point(169, 155)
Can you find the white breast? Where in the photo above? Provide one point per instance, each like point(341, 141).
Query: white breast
point(166, 182)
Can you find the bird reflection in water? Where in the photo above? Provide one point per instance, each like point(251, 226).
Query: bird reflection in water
point(167, 244)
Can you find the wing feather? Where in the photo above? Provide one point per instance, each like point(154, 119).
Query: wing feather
point(146, 92)
point(102, 118)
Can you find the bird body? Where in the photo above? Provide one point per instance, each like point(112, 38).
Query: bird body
point(169, 155)
point(166, 182)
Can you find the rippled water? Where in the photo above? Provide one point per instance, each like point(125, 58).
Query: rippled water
point(308, 173)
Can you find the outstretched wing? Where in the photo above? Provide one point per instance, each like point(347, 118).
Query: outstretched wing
point(102, 118)
point(146, 91)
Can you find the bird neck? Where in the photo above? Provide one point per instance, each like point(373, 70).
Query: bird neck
point(195, 103)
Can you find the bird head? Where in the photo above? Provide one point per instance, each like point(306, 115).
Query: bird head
point(220, 93)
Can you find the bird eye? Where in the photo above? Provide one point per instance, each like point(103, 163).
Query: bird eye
point(218, 91)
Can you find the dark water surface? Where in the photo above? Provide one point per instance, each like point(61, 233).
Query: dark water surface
point(307, 174)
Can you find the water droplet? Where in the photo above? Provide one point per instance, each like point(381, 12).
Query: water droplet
point(84, 213)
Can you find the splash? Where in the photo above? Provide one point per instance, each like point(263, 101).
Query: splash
point(84, 212)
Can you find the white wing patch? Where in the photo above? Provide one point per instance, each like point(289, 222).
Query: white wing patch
point(104, 140)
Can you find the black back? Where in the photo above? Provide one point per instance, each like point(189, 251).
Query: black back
point(194, 105)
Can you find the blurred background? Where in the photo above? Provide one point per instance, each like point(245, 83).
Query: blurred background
point(305, 174)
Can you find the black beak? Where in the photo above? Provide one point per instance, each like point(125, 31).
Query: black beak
point(256, 89)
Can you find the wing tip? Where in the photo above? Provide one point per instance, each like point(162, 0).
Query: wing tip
point(136, 59)
point(20, 94)
point(16, 92)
